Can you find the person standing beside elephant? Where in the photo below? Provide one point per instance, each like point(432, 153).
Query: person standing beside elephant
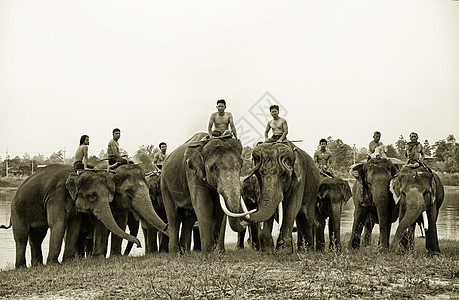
point(160, 156)
point(80, 161)
point(220, 121)
point(278, 125)
point(323, 158)
point(113, 150)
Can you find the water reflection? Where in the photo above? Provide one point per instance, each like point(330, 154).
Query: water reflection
point(447, 224)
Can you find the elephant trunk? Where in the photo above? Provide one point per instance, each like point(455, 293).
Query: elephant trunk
point(384, 207)
point(271, 196)
point(103, 212)
point(229, 187)
point(414, 207)
point(335, 226)
point(142, 205)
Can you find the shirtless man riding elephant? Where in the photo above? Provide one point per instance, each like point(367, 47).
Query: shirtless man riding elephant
point(220, 120)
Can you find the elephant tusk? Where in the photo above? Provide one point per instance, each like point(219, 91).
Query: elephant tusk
point(281, 214)
point(425, 220)
point(233, 215)
point(262, 225)
point(244, 208)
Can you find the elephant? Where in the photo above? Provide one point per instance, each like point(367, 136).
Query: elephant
point(333, 194)
point(201, 178)
point(420, 193)
point(251, 196)
point(51, 198)
point(151, 234)
point(131, 195)
point(289, 181)
point(373, 202)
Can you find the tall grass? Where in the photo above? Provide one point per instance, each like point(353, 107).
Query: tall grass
point(245, 274)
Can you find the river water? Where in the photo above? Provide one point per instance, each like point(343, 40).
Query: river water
point(447, 224)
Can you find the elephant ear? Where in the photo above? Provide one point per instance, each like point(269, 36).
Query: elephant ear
point(434, 190)
point(195, 161)
point(71, 185)
point(346, 191)
point(394, 187)
point(297, 172)
point(324, 188)
point(110, 183)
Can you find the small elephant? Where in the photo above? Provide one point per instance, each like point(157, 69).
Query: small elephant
point(420, 193)
point(51, 199)
point(333, 194)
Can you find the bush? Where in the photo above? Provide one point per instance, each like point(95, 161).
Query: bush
point(10, 181)
point(451, 179)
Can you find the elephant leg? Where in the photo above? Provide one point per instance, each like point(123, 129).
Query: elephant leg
point(100, 239)
point(254, 236)
point(185, 235)
point(121, 219)
point(266, 238)
point(360, 215)
point(240, 239)
point(36, 238)
point(151, 243)
point(304, 231)
point(291, 210)
point(204, 209)
point(196, 239)
point(20, 233)
point(320, 237)
point(164, 241)
point(71, 237)
point(431, 232)
point(172, 219)
point(133, 225)
point(368, 230)
point(57, 231)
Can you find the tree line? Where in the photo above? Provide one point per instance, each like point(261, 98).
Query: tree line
point(442, 156)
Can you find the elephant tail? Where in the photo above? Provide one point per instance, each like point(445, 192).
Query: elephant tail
point(6, 227)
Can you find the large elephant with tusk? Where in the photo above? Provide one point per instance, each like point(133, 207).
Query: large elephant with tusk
point(420, 193)
point(288, 182)
point(203, 175)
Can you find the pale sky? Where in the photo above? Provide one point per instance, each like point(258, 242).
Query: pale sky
point(155, 69)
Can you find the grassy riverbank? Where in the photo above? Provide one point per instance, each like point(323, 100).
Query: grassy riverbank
point(245, 274)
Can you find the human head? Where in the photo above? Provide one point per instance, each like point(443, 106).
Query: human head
point(376, 136)
point(221, 105)
point(323, 143)
point(274, 110)
point(163, 146)
point(116, 134)
point(414, 137)
point(83, 140)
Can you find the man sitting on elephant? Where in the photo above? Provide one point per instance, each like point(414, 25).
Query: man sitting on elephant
point(323, 159)
point(220, 120)
point(113, 150)
point(278, 125)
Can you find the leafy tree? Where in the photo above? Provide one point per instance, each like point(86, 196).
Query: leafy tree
point(342, 155)
point(391, 152)
point(362, 154)
point(145, 155)
point(56, 158)
point(446, 155)
point(400, 145)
